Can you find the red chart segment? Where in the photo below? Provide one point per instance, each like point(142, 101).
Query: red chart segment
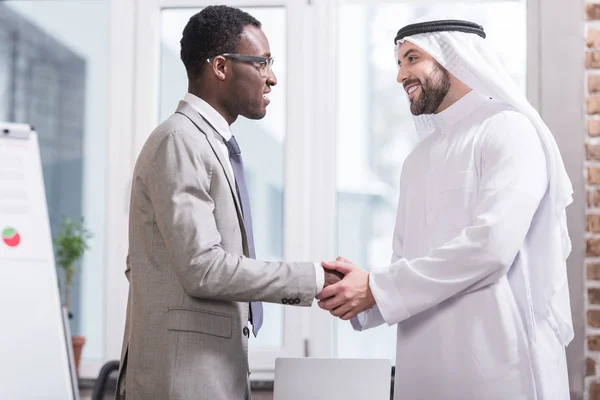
point(11, 237)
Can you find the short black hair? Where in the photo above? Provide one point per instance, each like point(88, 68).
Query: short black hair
point(214, 30)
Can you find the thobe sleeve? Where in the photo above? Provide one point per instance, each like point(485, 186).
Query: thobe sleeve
point(513, 181)
point(367, 319)
point(372, 318)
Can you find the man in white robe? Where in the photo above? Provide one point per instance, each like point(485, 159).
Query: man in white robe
point(477, 286)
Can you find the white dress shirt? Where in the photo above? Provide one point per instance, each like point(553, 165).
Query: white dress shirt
point(223, 134)
point(469, 194)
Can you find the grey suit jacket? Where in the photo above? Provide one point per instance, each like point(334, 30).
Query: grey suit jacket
point(190, 279)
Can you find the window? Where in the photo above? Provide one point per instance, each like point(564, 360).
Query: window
point(275, 218)
point(6, 63)
point(53, 75)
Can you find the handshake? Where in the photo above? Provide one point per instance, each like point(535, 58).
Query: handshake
point(346, 291)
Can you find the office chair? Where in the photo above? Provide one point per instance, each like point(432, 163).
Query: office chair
point(99, 391)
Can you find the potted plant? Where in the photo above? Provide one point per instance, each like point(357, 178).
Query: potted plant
point(71, 244)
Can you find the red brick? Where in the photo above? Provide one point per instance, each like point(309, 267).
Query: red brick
point(595, 198)
point(594, 391)
point(593, 318)
point(594, 83)
point(593, 223)
point(594, 127)
point(592, 59)
point(594, 295)
point(590, 367)
point(592, 11)
point(593, 176)
point(593, 38)
point(593, 104)
point(593, 272)
point(593, 342)
point(593, 152)
point(593, 248)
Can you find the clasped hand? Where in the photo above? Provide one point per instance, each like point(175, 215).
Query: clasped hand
point(346, 291)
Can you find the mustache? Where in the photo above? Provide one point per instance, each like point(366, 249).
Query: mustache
point(411, 81)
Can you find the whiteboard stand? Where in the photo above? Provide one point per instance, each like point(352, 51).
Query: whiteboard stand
point(69, 344)
point(35, 343)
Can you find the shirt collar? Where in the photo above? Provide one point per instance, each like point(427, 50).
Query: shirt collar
point(445, 120)
point(210, 114)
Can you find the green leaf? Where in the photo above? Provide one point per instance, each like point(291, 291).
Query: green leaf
point(70, 245)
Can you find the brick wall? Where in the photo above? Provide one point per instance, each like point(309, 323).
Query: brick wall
point(592, 305)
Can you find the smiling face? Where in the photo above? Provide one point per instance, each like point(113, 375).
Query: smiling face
point(425, 81)
point(249, 87)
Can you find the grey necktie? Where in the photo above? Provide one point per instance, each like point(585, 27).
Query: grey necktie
point(235, 156)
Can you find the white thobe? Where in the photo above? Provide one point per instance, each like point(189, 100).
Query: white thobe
point(468, 195)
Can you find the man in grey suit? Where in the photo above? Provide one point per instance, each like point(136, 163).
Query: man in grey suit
point(194, 282)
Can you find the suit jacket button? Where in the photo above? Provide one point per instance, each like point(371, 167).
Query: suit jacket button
point(246, 331)
point(284, 301)
point(296, 300)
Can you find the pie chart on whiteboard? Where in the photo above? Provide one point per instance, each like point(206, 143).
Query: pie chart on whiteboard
point(11, 237)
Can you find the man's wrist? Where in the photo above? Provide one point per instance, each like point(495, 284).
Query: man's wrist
point(370, 296)
point(319, 277)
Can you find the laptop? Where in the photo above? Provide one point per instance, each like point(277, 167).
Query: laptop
point(332, 379)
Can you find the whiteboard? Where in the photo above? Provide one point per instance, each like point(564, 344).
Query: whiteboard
point(35, 361)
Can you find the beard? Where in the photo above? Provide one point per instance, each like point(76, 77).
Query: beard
point(433, 91)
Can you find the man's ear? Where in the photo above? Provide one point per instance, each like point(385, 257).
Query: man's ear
point(219, 67)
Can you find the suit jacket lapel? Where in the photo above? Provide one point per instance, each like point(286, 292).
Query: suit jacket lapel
point(208, 130)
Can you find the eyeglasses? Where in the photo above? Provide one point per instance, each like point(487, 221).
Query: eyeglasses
point(265, 63)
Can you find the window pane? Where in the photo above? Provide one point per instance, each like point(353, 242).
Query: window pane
point(5, 71)
point(262, 143)
point(376, 132)
point(54, 75)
